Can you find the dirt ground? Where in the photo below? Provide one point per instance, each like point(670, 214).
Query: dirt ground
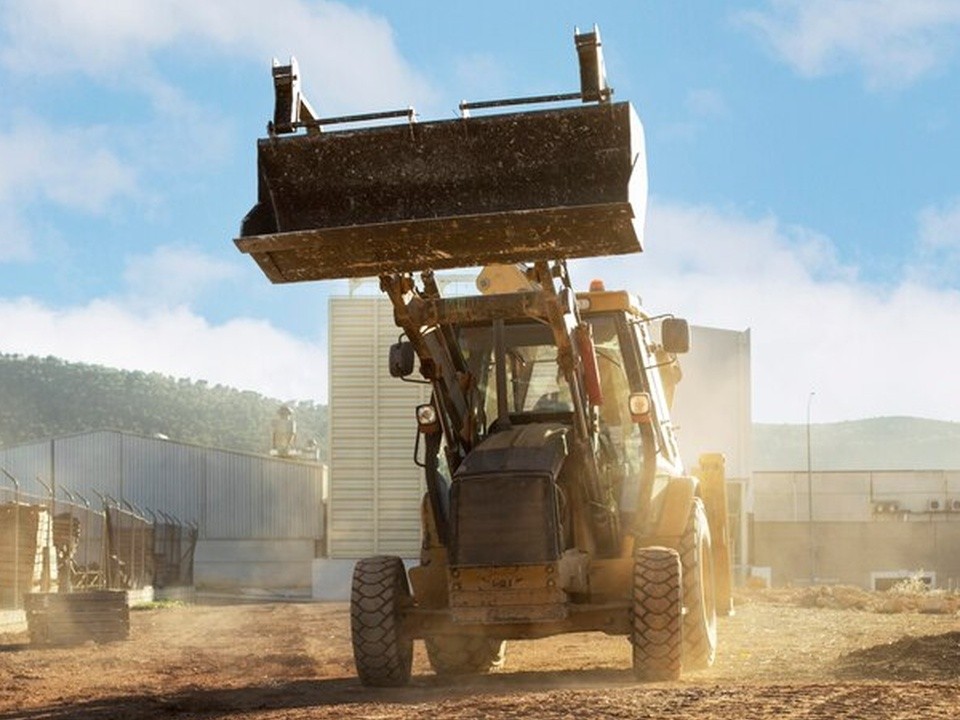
point(797, 654)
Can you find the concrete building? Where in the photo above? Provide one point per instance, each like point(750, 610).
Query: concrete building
point(375, 487)
point(260, 519)
point(866, 528)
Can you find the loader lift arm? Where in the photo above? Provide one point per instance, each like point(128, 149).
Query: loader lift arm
point(430, 323)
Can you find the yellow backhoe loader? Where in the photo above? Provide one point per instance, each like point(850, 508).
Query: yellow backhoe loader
point(556, 499)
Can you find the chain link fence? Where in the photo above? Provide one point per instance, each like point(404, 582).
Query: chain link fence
point(60, 541)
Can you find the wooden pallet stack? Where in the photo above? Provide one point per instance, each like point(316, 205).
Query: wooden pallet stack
point(28, 560)
point(73, 618)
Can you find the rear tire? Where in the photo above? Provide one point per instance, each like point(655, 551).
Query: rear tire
point(656, 615)
point(379, 594)
point(452, 655)
point(699, 592)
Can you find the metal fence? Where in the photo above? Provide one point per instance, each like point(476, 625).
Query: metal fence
point(57, 540)
point(173, 546)
point(80, 536)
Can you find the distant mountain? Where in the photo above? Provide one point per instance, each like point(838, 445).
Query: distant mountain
point(886, 443)
point(42, 398)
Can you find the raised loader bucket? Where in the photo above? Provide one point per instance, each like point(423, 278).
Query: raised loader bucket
point(518, 187)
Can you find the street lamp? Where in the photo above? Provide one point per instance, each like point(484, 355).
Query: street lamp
point(813, 574)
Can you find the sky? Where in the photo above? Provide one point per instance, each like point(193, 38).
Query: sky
point(803, 162)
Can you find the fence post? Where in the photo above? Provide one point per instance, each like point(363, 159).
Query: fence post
point(153, 547)
point(105, 543)
point(144, 536)
point(16, 538)
point(88, 521)
point(48, 540)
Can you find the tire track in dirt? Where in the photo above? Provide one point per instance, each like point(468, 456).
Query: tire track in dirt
point(294, 661)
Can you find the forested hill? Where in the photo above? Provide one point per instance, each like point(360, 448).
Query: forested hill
point(41, 398)
point(883, 443)
point(46, 397)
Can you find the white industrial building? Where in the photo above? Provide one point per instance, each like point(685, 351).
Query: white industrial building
point(260, 519)
point(375, 487)
point(865, 528)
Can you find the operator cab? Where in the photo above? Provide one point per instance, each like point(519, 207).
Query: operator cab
point(535, 388)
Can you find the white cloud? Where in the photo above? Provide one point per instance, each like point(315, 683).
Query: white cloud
point(347, 55)
point(940, 226)
point(706, 102)
point(866, 351)
point(482, 76)
point(703, 106)
point(15, 239)
point(892, 42)
point(938, 247)
point(241, 353)
point(172, 275)
point(68, 167)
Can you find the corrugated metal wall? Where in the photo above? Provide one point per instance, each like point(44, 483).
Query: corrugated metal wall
point(375, 488)
point(25, 463)
point(151, 469)
point(231, 496)
point(93, 461)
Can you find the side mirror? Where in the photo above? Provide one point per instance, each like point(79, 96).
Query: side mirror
point(675, 335)
point(401, 359)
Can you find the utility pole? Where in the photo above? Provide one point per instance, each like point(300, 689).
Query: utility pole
point(813, 572)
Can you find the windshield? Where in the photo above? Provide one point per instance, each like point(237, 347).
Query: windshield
point(534, 381)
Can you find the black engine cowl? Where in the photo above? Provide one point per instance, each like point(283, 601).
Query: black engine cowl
point(504, 499)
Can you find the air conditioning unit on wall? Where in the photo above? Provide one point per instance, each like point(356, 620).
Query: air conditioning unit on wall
point(887, 579)
point(953, 505)
point(936, 505)
point(886, 507)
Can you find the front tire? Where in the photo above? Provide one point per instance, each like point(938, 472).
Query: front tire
point(452, 655)
point(656, 614)
point(379, 595)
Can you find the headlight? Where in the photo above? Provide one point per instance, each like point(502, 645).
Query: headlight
point(640, 407)
point(426, 418)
